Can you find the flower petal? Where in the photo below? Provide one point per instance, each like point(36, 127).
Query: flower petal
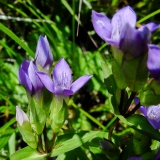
point(21, 116)
point(80, 82)
point(135, 158)
point(46, 80)
point(132, 42)
point(36, 82)
point(143, 109)
point(153, 61)
point(119, 20)
point(158, 155)
point(67, 92)
point(154, 124)
point(43, 55)
point(24, 80)
point(102, 26)
point(62, 74)
point(151, 26)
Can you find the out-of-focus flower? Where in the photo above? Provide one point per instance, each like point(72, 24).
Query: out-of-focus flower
point(28, 78)
point(62, 80)
point(153, 62)
point(152, 113)
point(133, 42)
point(21, 116)
point(110, 30)
point(151, 26)
point(158, 155)
point(135, 158)
point(43, 57)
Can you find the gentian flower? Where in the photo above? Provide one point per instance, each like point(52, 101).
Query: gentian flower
point(151, 26)
point(62, 80)
point(28, 78)
point(153, 62)
point(158, 155)
point(152, 113)
point(21, 116)
point(134, 43)
point(43, 58)
point(110, 30)
point(135, 158)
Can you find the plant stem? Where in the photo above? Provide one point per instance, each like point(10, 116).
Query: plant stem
point(40, 143)
point(120, 107)
point(133, 110)
point(45, 138)
point(53, 140)
point(111, 129)
point(129, 102)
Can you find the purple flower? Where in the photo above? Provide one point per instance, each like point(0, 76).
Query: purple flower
point(43, 57)
point(135, 158)
point(62, 80)
point(153, 62)
point(28, 78)
point(158, 155)
point(133, 42)
point(151, 26)
point(110, 30)
point(21, 116)
point(152, 113)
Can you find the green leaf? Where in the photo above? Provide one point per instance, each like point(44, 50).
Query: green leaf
point(149, 155)
point(151, 94)
point(37, 116)
point(74, 141)
point(140, 123)
point(8, 124)
point(58, 113)
point(15, 38)
point(4, 138)
point(135, 72)
point(109, 149)
point(118, 75)
point(28, 137)
point(27, 153)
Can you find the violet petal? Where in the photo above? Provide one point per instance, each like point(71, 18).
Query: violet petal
point(24, 80)
point(151, 26)
point(43, 55)
point(153, 61)
point(133, 42)
point(153, 116)
point(119, 20)
point(36, 82)
point(143, 109)
point(62, 75)
point(102, 26)
point(80, 82)
point(135, 158)
point(46, 80)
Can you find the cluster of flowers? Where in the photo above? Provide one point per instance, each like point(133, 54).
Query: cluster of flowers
point(34, 76)
point(121, 33)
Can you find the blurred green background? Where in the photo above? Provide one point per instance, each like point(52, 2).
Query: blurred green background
point(58, 20)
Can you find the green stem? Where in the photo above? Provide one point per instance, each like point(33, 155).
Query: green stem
point(88, 115)
point(111, 129)
point(120, 107)
point(110, 123)
point(40, 149)
point(45, 138)
point(53, 141)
